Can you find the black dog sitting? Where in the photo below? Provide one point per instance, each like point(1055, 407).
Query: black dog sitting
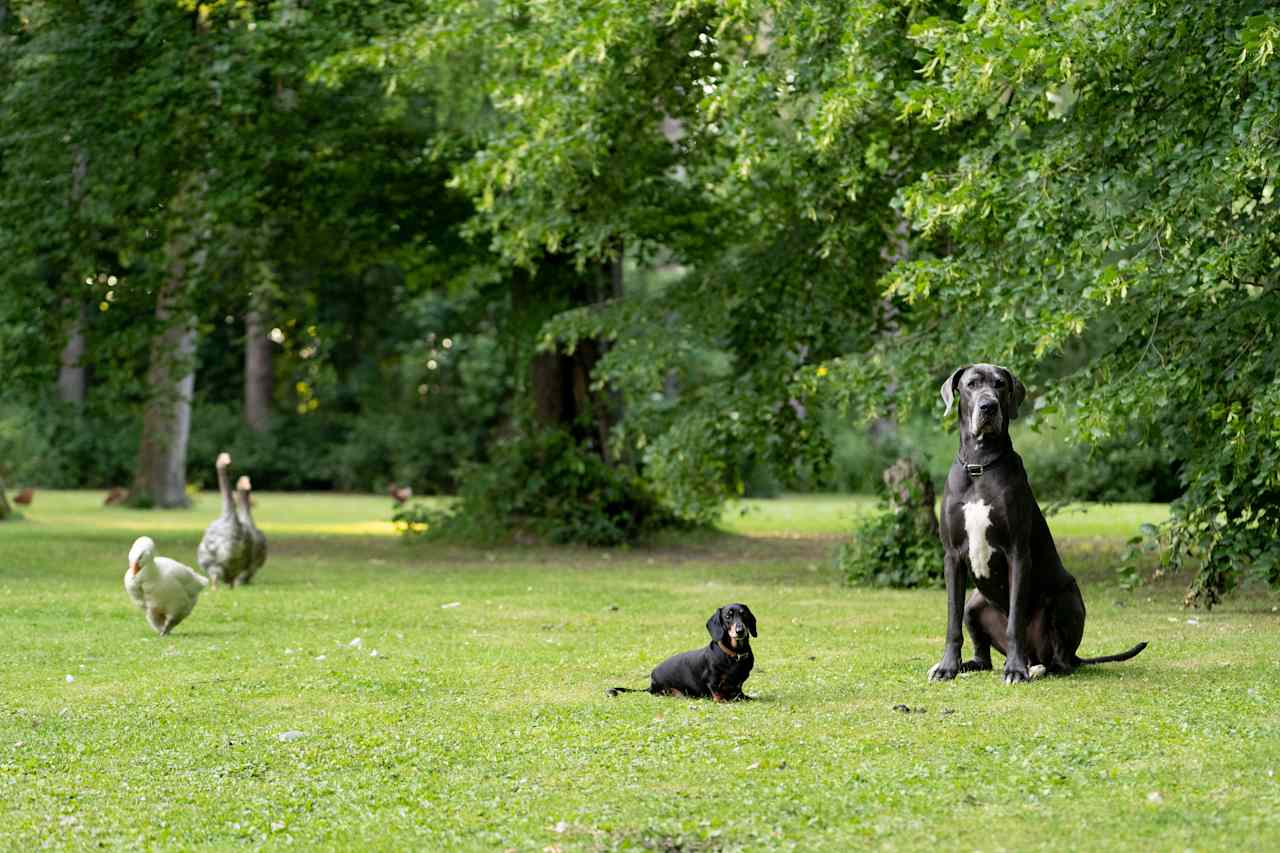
point(715, 672)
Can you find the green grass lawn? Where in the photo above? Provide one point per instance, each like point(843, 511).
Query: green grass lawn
point(481, 722)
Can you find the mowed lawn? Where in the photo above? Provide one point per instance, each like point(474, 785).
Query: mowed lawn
point(368, 694)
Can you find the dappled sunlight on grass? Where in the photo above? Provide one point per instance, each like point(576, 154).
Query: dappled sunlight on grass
point(1121, 520)
point(835, 515)
point(796, 515)
point(65, 513)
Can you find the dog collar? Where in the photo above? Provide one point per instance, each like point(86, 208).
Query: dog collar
point(976, 471)
point(730, 652)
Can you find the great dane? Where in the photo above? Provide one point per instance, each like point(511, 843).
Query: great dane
point(1026, 604)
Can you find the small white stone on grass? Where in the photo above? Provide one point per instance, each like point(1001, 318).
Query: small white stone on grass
point(319, 657)
point(70, 678)
point(356, 643)
point(286, 737)
point(1155, 797)
point(450, 604)
point(373, 654)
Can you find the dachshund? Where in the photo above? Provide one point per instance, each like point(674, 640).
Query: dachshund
point(715, 672)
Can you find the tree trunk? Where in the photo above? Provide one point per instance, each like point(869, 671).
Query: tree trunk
point(71, 375)
point(259, 378)
point(5, 509)
point(560, 382)
point(161, 476)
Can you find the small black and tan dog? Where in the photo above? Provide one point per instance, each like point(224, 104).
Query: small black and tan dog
point(715, 672)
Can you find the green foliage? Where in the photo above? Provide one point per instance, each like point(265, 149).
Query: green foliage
point(1122, 468)
point(817, 205)
point(860, 454)
point(546, 486)
point(1108, 186)
point(887, 549)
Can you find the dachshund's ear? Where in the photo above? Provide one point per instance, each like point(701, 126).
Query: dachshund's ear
point(749, 619)
point(715, 627)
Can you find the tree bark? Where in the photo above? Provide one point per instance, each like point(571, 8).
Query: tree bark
point(161, 476)
point(71, 374)
point(5, 509)
point(259, 377)
point(559, 382)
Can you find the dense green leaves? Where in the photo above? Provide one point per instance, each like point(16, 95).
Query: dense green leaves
point(1116, 193)
point(751, 214)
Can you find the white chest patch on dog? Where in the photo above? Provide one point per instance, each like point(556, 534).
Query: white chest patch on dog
point(977, 518)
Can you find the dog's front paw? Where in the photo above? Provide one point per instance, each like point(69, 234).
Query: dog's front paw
point(943, 671)
point(1015, 672)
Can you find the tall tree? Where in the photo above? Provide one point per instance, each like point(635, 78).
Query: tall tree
point(593, 126)
point(71, 367)
point(259, 377)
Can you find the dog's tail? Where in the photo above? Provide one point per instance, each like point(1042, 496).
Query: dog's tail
point(1113, 658)
point(614, 691)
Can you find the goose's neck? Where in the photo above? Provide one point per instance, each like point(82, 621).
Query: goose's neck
point(228, 508)
point(243, 501)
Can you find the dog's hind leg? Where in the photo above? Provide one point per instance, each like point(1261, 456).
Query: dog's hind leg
point(985, 625)
point(1063, 630)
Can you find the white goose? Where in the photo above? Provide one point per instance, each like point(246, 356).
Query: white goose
point(225, 550)
point(165, 589)
point(257, 539)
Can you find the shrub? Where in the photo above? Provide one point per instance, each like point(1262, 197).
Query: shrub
point(886, 549)
point(544, 485)
point(899, 545)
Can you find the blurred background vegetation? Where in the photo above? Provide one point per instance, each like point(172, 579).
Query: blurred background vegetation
point(641, 256)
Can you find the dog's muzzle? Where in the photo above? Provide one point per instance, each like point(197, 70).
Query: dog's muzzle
point(986, 416)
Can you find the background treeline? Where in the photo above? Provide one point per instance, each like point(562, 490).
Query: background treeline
point(643, 255)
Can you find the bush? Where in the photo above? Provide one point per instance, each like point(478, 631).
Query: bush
point(547, 486)
point(51, 444)
point(1123, 469)
point(887, 549)
point(899, 545)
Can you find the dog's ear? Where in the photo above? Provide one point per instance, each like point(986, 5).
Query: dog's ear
point(715, 627)
point(748, 619)
point(1017, 393)
point(948, 389)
